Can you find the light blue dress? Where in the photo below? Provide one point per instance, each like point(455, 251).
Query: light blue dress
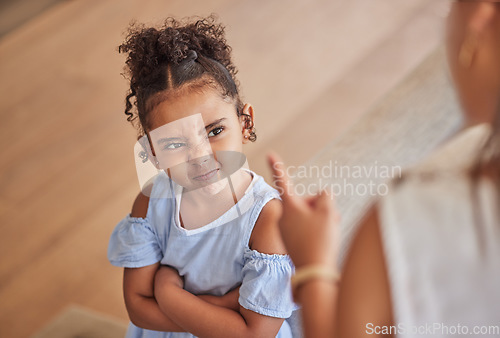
point(212, 259)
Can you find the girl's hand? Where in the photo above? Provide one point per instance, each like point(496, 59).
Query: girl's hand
point(309, 226)
point(168, 275)
point(230, 299)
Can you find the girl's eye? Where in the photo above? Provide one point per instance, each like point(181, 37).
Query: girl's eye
point(174, 145)
point(215, 131)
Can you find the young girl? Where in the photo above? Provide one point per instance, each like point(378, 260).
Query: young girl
point(201, 248)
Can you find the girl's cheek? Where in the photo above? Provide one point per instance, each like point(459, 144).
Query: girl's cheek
point(172, 160)
point(228, 151)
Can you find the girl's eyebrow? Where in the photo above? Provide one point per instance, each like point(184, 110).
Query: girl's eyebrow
point(216, 122)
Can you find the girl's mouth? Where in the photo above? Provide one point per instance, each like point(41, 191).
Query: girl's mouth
point(207, 176)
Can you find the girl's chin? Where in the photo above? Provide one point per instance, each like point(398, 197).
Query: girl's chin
point(214, 188)
point(207, 188)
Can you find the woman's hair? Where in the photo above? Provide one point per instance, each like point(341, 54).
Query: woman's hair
point(179, 55)
point(488, 160)
point(487, 165)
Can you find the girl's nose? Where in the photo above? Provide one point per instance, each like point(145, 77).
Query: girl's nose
point(201, 153)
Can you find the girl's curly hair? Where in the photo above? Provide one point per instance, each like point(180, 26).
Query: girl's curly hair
point(177, 54)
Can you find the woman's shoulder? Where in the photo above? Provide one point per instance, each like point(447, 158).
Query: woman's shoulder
point(456, 155)
point(443, 174)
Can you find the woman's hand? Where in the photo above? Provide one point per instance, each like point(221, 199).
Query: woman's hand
point(309, 226)
point(167, 275)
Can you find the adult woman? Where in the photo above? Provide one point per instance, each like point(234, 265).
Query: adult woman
point(424, 259)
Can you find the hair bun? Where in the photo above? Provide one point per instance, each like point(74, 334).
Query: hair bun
point(191, 56)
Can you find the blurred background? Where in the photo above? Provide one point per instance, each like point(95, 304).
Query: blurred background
point(311, 68)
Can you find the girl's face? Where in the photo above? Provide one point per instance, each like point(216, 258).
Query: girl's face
point(197, 139)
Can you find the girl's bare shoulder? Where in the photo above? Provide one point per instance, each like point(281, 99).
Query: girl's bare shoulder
point(266, 237)
point(140, 206)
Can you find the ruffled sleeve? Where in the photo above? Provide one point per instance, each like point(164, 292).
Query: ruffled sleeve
point(133, 244)
point(266, 285)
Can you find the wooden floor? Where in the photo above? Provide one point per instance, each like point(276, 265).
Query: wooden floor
point(311, 69)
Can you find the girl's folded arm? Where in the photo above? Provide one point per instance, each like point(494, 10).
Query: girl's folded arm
point(203, 319)
point(138, 289)
point(142, 308)
point(206, 320)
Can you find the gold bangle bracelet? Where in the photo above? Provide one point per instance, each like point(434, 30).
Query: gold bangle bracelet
point(309, 272)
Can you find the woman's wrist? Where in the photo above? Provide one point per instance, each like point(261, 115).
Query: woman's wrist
point(314, 255)
point(313, 272)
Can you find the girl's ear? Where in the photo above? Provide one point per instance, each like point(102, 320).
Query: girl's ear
point(149, 150)
point(247, 122)
point(145, 164)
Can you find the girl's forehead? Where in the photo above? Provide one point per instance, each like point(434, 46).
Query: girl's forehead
point(190, 107)
point(184, 127)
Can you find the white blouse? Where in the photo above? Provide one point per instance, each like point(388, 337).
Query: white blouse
point(441, 237)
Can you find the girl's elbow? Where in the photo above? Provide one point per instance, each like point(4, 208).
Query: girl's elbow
point(133, 311)
point(248, 332)
point(135, 319)
point(266, 328)
point(252, 331)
